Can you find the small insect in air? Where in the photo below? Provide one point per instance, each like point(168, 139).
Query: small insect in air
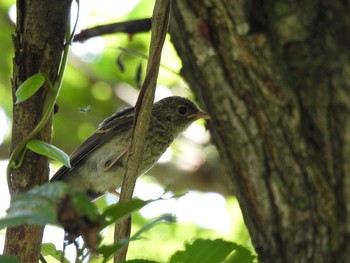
point(86, 109)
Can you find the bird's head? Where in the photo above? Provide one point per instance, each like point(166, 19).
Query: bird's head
point(177, 113)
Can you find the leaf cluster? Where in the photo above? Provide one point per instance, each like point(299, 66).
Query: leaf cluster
point(57, 204)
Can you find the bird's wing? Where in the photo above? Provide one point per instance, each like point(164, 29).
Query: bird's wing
point(111, 126)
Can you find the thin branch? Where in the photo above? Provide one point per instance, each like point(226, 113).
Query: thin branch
point(143, 108)
point(130, 27)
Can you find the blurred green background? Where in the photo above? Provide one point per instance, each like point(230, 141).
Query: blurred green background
point(94, 87)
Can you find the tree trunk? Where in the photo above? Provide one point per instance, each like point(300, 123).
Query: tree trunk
point(274, 75)
point(38, 43)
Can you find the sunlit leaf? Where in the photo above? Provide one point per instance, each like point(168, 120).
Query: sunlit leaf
point(166, 217)
point(49, 249)
point(120, 210)
point(241, 255)
point(204, 251)
point(29, 87)
point(49, 150)
point(108, 250)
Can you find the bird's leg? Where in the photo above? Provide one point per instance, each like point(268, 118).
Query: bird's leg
point(109, 164)
point(114, 192)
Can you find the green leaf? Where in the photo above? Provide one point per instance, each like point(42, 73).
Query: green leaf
point(35, 207)
point(29, 87)
point(82, 203)
point(49, 150)
point(241, 255)
point(108, 250)
point(42, 216)
point(116, 212)
point(49, 249)
point(204, 251)
point(39, 206)
point(51, 191)
point(9, 259)
point(165, 217)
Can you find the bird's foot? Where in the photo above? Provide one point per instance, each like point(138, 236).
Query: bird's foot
point(114, 192)
point(110, 163)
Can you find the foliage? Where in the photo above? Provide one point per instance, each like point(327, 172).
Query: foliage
point(205, 251)
point(48, 204)
point(49, 249)
point(29, 87)
point(49, 150)
point(55, 203)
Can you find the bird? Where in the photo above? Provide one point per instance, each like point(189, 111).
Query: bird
point(98, 163)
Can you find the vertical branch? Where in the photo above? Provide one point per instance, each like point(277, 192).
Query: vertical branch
point(143, 108)
point(38, 43)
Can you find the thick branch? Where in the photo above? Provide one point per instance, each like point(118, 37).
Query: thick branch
point(39, 41)
point(273, 76)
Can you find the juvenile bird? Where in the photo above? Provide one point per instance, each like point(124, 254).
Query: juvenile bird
point(98, 164)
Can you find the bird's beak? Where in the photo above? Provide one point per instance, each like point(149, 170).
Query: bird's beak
point(199, 115)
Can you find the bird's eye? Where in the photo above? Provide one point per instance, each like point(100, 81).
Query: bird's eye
point(182, 110)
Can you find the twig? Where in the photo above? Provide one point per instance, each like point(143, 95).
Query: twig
point(130, 27)
point(143, 108)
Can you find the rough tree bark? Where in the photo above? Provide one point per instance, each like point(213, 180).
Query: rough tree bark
point(39, 41)
point(275, 77)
